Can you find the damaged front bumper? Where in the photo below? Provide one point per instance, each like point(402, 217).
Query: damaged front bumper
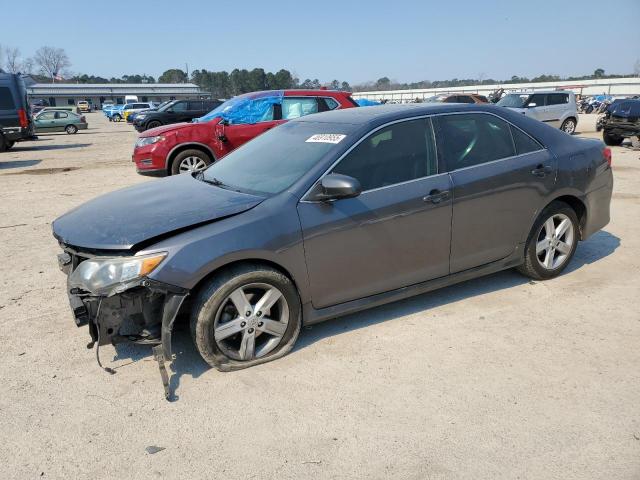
point(144, 313)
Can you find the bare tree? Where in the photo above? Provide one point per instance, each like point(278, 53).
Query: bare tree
point(1, 57)
point(636, 68)
point(27, 66)
point(13, 63)
point(52, 61)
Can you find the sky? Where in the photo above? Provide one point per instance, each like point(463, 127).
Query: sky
point(356, 41)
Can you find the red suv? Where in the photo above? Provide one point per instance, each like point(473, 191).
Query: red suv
point(189, 147)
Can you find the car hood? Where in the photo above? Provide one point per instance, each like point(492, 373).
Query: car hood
point(164, 129)
point(135, 216)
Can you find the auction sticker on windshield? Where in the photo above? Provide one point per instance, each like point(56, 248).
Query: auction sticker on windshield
point(325, 138)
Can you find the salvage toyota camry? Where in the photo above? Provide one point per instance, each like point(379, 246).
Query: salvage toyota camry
point(326, 215)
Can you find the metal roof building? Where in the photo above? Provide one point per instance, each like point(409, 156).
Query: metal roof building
point(59, 94)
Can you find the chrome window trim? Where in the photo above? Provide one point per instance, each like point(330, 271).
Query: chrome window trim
point(435, 139)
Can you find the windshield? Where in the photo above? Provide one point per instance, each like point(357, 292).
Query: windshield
point(164, 107)
point(246, 109)
point(513, 100)
point(275, 160)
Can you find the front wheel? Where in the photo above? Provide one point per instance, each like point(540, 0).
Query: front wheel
point(71, 129)
point(116, 118)
point(153, 124)
point(190, 161)
point(551, 243)
point(569, 126)
point(249, 315)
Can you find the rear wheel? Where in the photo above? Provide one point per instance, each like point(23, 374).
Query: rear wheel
point(569, 126)
point(551, 243)
point(5, 144)
point(190, 161)
point(251, 314)
point(71, 129)
point(612, 140)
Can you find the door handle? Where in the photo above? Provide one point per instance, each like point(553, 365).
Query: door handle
point(436, 196)
point(541, 170)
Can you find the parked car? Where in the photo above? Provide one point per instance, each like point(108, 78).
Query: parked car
point(84, 106)
point(326, 215)
point(154, 106)
point(114, 114)
point(59, 121)
point(175, 112)
point(107, 103)
point(620, 121)
point(188, 147)
point(459, 98)
point(16, 124)
point(557, 108)
point(135, 107)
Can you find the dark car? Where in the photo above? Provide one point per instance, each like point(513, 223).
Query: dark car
point(16, 124)
point(326, 215)
point(174, 112)
point(621, 120)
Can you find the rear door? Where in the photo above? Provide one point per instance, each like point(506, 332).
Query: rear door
point(61, 120)
point(557, 105)
point(501, 179)
point(8, 107)
point(395, 233)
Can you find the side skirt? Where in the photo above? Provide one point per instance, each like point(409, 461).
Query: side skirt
point(312, 315)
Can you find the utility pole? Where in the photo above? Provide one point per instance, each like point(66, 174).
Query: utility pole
point(187, 68)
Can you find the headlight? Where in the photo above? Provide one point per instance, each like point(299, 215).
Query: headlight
point(108, 276)
point(140, 115)
point(148, 140)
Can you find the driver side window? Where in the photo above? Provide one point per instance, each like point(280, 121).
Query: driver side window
point(398, 153)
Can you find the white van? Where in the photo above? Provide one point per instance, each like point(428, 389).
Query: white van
point(130, 99)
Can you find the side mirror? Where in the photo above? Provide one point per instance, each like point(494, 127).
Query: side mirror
point(336, 186)
point(531, 105)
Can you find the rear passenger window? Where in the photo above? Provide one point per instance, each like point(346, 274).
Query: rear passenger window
point(195, 105)
point(524, 143)
point(331, 103)
point(298, 107)
point(473, 139)
point(398, 153)
point(6, 99)
point(557, 98)
point(465, 99)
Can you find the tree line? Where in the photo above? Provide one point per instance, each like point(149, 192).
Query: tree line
point(50, 64)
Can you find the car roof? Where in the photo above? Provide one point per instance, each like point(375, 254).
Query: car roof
point(540, 91)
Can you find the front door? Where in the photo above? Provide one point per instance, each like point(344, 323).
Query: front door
point(501, 179)
point(45, 122)
point(536, 107)
point(395, 233)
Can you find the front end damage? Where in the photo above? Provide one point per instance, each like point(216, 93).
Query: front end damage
point(139, 310)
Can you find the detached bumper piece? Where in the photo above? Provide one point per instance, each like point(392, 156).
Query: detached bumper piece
point(143, 315)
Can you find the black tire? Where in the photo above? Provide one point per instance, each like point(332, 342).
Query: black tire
point(153, 124)
point(116, 118)
point(532, 266)
point(214, 295)
point(569, 126)
point(192, 152)
point(9, 144)
point(71, 129)
point(5, 144)
point(612, 140)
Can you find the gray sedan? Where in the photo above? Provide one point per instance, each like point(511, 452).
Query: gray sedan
point(327, 215)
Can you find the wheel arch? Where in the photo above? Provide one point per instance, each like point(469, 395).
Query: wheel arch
point(256, 261)
point(173, 153)
point(577, 205)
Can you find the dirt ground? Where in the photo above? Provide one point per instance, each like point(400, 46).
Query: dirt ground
point(496, 378)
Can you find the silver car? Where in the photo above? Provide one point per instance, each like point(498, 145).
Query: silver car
point(557, 108)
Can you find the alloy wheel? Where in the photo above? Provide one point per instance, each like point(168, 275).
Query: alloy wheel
point(192, 164)
point(569, 126)
point(555, 241)
point(251, 321)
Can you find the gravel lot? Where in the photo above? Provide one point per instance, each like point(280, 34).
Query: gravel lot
point(497, 378)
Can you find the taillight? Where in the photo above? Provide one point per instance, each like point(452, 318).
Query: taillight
point(83, 119)
point(22, 116)
point(606, 153)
